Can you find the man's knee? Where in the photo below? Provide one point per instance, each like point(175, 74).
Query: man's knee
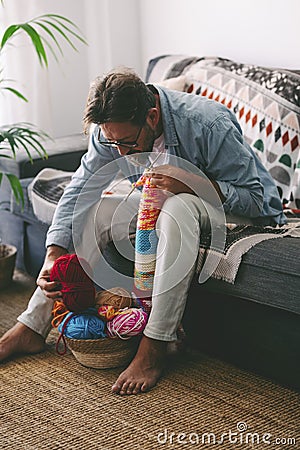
point(182, 206)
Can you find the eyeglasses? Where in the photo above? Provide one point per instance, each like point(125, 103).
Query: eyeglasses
point(132, 144)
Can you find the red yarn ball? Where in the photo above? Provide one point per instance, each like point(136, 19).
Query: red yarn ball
point(78, 291)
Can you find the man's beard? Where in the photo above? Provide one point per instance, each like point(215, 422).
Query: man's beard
point(148, 142)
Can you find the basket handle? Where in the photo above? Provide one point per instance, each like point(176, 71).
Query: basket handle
point(62, 337)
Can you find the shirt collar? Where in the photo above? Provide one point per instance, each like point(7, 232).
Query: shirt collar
point(167, 118)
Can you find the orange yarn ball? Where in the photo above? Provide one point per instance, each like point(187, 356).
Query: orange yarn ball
point(117, 297)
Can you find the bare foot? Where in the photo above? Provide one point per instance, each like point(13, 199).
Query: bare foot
point(145, 369)
point(20, 339)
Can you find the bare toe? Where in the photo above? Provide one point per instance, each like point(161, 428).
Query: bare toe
point(20, 339)
point(124, 388)
point(145, 369)
point(130, 388)
point(137, 389)
point(117, 386)
point(144, 387)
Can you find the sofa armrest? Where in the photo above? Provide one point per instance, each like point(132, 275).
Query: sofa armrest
point(63, 153)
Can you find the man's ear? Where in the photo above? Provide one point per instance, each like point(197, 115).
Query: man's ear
point(153, 117)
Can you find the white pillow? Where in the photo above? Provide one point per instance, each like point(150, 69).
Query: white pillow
point(176, 84)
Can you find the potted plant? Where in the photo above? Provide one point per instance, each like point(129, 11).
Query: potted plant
point(46, 34)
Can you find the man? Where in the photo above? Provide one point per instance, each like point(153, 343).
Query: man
point(130, 117)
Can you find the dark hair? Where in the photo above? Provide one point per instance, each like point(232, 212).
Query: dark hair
point(119, 96)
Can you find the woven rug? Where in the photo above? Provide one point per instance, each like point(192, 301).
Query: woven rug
point(52, 402)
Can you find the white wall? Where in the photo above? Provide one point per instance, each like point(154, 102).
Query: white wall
point(57, 96)
point(110, 43)
point(265, 32)
point(130, 32)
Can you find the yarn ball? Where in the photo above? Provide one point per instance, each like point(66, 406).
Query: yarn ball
point(78, 291)
point(129, 322)
point(107, 312)
point(82, 326)
point(117, 297)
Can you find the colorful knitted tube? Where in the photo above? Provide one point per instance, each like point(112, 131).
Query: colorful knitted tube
point(146, 242)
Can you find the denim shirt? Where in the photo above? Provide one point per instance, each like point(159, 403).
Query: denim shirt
point(199, 130)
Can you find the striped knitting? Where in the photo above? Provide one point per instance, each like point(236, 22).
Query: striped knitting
point(146, 241)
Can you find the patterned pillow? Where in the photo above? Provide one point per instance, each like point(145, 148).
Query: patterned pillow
point(266, 103)
point(168, 66)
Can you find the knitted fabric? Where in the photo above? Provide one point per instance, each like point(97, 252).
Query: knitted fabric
point(146, 241)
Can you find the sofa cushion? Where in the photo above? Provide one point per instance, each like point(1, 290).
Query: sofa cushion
point(45, 191)
point(20, 227)
point(268, 274)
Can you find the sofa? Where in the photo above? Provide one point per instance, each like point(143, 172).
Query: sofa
point(20, 226)
point(253, 322)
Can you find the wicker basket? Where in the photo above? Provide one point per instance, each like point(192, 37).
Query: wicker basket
point(104, 353)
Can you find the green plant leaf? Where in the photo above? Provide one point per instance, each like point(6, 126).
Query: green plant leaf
point(8, 34)
point(7, 136)
point(60, 17)
point(52, 35)
point(23, 145)
point(59, 30)
point(16, 188)
point(3, 86)
point(50, 24)
point(16, 92)
point(30, 129)
point(24, 135)
point(57, 22)
point(37, 42)
point(51, 49)
point(47, 31)
point(60, 20)
point(24, 140)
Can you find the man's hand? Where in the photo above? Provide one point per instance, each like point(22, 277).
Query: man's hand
point(171, 179)
point(50, 288)
point(176, 180)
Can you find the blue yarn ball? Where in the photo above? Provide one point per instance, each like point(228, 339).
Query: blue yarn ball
point(83, 326)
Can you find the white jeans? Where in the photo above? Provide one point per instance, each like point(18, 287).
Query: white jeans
point(178, 227)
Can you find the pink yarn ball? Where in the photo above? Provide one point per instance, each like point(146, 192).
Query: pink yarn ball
point(128, 323)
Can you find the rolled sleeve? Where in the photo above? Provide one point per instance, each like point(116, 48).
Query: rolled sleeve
point(240, 201)
point(60, 236)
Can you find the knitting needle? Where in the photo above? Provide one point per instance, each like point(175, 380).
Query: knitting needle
point(146, 170)
point(130, 192)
